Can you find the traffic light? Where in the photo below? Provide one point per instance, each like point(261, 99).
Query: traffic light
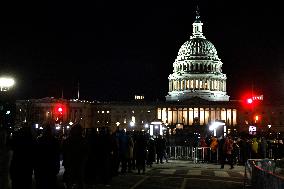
point(249, 101)
point(59, 113)
point(60, 110)
point(257, 119)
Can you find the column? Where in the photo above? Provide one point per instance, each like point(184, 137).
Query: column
point(204, 109)
point(167, 113)
point(187, 110)
point(177, 115)
point(182, 115)
point(208, 84)
point(199, 115)
point(209, 114)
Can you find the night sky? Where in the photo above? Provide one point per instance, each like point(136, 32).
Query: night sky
point(117, 49)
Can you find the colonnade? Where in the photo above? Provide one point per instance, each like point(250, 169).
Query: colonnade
point(200, 67)
point(195, 115)
point(197, 84)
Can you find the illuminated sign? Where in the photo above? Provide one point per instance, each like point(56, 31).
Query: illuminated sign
point(252, 130)
point(257, 97)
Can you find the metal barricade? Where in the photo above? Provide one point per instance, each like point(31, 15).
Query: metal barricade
point(179, 152)
point(196, 154)
point(203, 154)
point(260, 174)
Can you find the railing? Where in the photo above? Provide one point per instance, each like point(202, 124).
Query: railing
point(195, 154)
point(260, 174)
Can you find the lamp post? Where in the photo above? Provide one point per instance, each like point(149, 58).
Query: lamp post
point(214, 126)
point(7, 103)
point(6, 83)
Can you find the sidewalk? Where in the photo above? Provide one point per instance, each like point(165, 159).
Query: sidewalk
point(191, 164)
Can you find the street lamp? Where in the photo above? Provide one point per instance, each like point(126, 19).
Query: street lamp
point(132, 123)
point(6, 83)
point(215, 125)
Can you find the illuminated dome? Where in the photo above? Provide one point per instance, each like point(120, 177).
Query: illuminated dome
point(198, 47)
point(197, 70)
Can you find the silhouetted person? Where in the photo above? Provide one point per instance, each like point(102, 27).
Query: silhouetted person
point(140, 151)
point(151, 155)
point(105, 151)
point(5, 159)
point(47, 159)
point(75, 157)
point(91, 171)
point(123, 150)
point(23, 158)
point(228, 152)
point(221, 151)
point(160, 149)
point(115, 154)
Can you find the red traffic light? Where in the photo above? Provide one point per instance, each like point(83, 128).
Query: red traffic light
point(60, 110)
point(249, 101)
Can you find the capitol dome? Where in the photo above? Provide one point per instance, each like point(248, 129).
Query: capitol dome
point(198, 47)
point(197, 70)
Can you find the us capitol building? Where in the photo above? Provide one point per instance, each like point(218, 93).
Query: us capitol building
point(197, 70)
point(196, 98)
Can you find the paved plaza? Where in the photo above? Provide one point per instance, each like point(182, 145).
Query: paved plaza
point(181, 175)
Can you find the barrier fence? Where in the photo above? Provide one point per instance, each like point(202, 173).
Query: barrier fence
point(262, 174)
point(195, 154)
point(205, 154)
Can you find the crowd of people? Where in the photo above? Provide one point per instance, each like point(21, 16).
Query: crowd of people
point(237, 150)
point(29, 158)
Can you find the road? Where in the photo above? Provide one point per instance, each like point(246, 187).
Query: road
point(181, 175)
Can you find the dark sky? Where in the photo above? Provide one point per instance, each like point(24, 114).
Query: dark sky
point(117, 49)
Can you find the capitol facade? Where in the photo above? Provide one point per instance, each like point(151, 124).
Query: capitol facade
point(196, 98)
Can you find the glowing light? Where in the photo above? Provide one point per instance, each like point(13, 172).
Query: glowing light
point(68, 127)
point(71, 123)
point(57, 127)
point(6, 83)
point(156, 123)
point(249, 101)
point(8, 112)
point(146, 125)
point(117, 124)
point(36, 125)
point(132, 123)
point(269, 126)
point(215, 125)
